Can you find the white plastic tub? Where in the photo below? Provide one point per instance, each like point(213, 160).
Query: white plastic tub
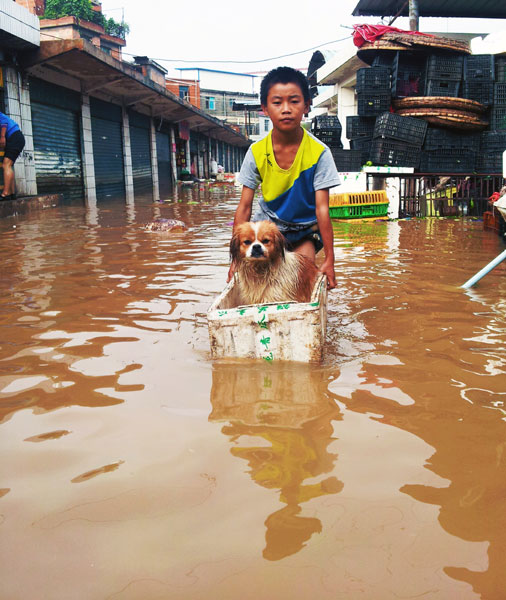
point(280, 331)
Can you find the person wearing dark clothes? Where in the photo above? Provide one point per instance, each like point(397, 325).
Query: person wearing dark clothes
point(12, 143)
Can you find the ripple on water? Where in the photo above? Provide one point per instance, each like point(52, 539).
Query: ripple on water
point(390, 453)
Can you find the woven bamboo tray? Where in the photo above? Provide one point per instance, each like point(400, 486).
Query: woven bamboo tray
point(439, 102)
point(445, 117)
point(409, 41)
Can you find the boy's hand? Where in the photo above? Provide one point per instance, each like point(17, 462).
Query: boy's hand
point(327, 269)
point(231, 272)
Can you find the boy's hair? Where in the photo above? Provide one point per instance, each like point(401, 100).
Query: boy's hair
point(284, 75)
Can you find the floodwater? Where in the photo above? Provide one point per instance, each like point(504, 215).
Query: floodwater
point(134, 467)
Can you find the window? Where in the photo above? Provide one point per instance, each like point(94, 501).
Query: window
point(231, 103)
point(266, 124)
point(210, 102)
point(184, 92)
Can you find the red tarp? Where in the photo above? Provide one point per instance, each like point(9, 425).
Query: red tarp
point(370, 33)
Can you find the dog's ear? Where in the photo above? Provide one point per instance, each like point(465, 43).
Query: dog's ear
point(235, 244)
point(281, 243)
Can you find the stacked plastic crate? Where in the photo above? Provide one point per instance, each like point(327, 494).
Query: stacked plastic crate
point(458, 147)
point(408, 75)
point(443, 75)
point(493, 144)
point(373, 98)
point(327, 128)
point(397, 140)
point(373, 91)
point(498, 116)
point(359, 130)
point(449, 151)
point(479, 78)
point(446, 150)
point(490, 71)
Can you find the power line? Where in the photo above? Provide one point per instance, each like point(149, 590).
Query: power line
point(248, 62)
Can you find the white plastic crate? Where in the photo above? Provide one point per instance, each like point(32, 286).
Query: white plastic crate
point(278, 331)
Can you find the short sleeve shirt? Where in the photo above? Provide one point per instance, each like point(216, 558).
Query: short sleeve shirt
point(290, 193)
point(11, 125)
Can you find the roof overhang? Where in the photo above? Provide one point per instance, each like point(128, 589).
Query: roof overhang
point(482, 9)
point(101, 75)
point(340, 68)
point(324, 99)
point(251, 106)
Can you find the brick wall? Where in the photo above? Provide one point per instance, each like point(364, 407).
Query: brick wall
point(36, 7)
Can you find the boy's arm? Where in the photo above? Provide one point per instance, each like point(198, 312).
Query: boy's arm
point(242, 214)
point(327, 233)
point(243, 210)
point(3, 131)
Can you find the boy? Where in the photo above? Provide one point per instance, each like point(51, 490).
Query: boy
point(295, 169)
point(13, 142)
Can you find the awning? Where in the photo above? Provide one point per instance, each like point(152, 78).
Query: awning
point(477, 9)
point(113, 80)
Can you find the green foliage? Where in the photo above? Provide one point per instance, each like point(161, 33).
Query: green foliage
point(69, 8)
point(112, 27)
point(82, 10)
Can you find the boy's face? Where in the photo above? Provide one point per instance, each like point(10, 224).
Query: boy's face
point(285, 106)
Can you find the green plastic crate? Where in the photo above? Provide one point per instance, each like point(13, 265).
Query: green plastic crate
point(359, 211)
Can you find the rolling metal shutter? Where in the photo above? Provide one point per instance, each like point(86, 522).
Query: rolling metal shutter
point(225, 157)
point(57, 141)
point(141, 155)
point(106, 122)
point(221, 155)
point(194, 142)
point(164, 164)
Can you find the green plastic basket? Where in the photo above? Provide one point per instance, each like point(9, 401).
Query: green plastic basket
point(359, 211)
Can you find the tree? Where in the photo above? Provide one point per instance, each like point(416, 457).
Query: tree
point(82, 9)
point(69, 8)
point(112, 27)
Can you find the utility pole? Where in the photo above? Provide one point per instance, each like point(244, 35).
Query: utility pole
point(413, 15)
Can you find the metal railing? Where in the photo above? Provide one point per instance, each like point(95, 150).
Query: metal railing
point(429, 195)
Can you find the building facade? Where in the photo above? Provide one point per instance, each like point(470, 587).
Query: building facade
point(185, 89)
point(97, 127)
point(220, 90)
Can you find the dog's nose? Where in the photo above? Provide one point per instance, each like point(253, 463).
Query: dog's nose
point(256, 251)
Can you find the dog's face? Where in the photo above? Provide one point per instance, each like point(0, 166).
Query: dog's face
point(261, 241)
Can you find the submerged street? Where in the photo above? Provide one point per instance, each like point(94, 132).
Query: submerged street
point(133, 466)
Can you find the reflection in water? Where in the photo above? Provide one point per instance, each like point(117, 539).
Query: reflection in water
point(444, 382)
point(289, 412)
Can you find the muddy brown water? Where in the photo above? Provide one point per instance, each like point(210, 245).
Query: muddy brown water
point(133, 467)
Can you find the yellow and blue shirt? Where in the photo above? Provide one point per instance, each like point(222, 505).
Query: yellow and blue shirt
point(289, 194)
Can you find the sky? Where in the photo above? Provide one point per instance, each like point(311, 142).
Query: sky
point(226, 31)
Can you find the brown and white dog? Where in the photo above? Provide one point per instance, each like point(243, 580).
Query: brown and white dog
point(267, 272)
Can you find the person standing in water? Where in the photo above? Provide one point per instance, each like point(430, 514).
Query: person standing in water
point(12, 142)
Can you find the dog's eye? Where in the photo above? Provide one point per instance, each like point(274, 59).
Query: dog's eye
point(266, 241)
point(247, 242)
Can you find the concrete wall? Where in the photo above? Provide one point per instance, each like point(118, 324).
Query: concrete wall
point(223, 81)
point(17, 106)
point(19, 22)
point(173, 85)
